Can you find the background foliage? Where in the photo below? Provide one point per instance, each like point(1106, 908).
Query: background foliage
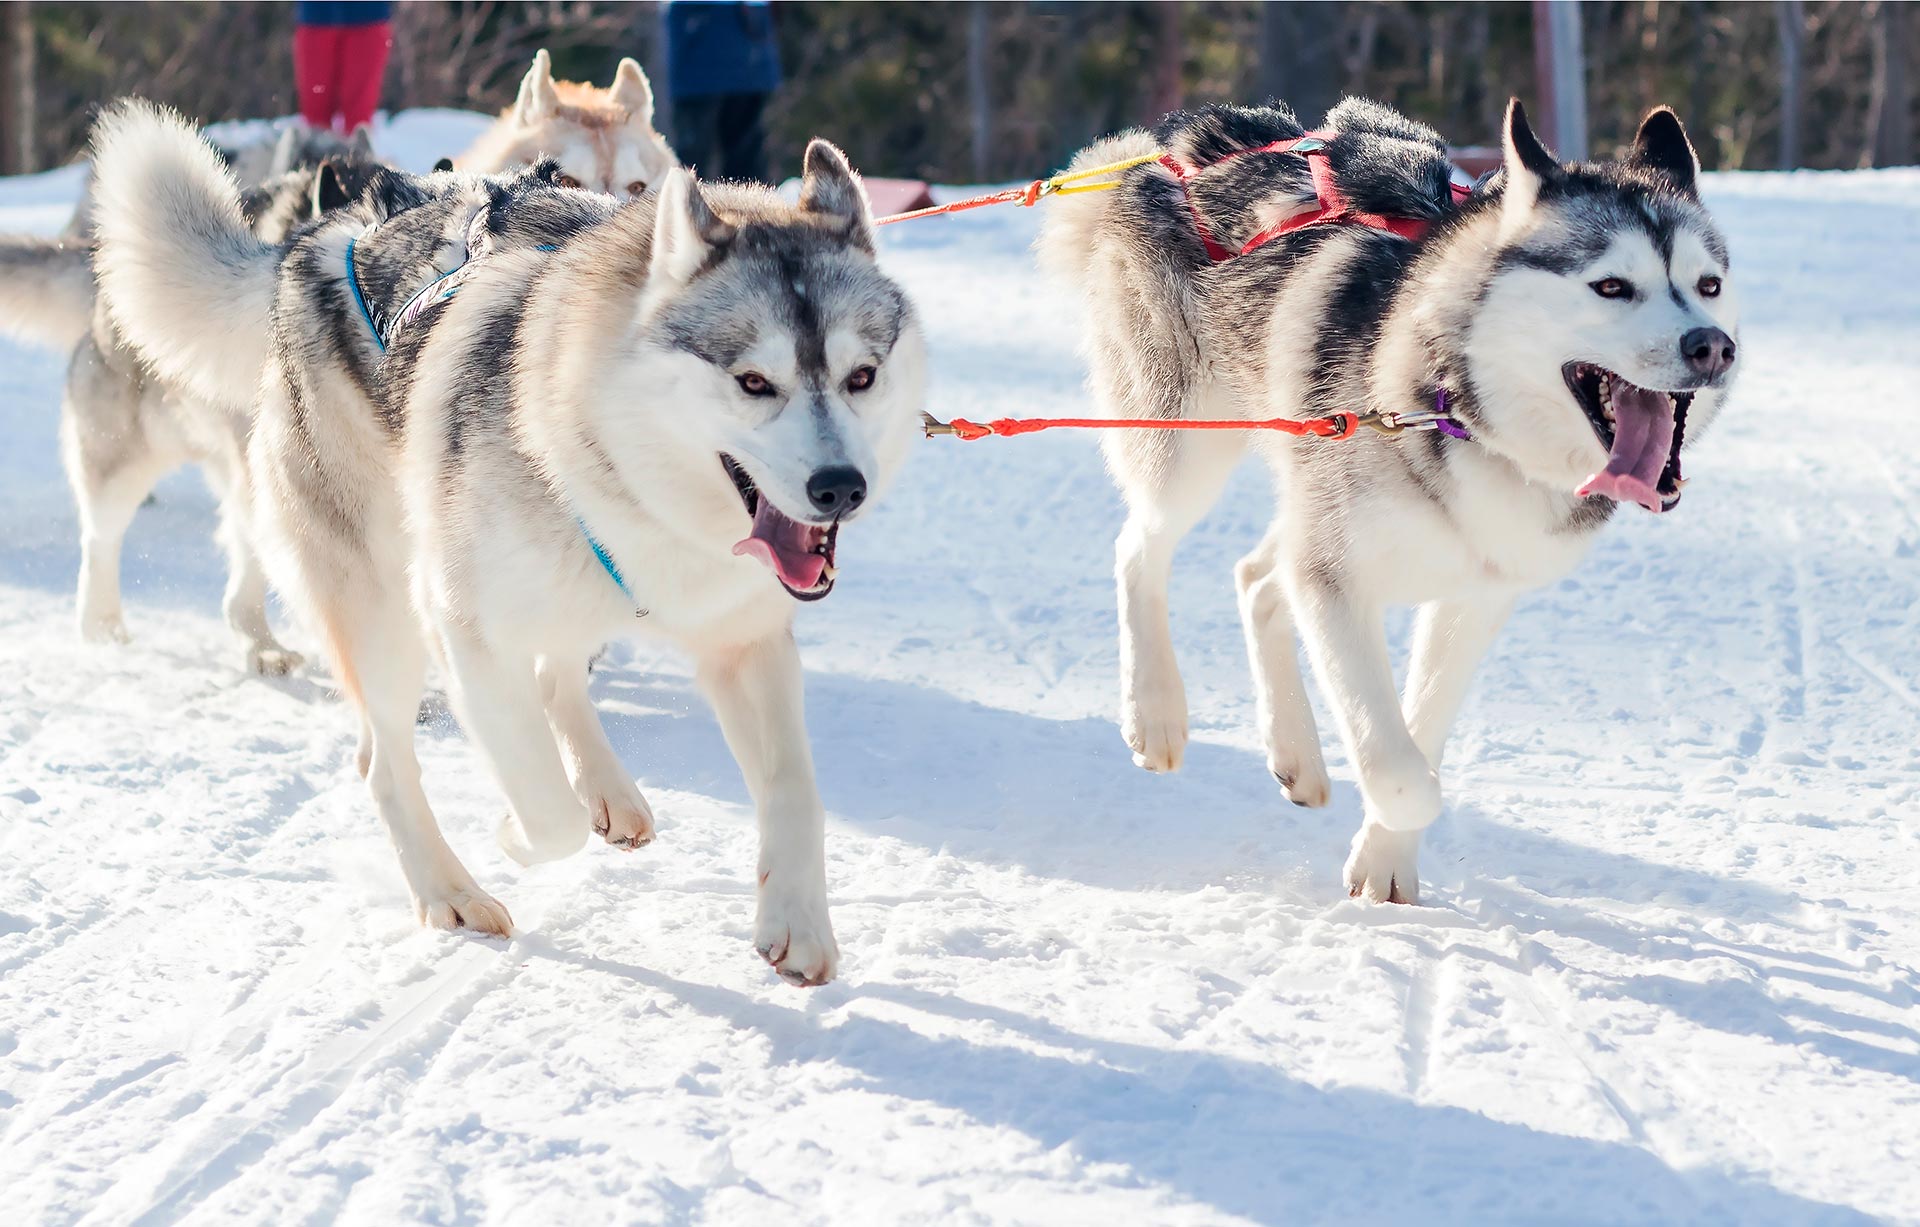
point(891, 81)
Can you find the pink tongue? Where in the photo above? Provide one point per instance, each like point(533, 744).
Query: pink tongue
point(784, 544)
point(1642, 442)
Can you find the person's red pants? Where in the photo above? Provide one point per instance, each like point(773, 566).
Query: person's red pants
point(339, 70)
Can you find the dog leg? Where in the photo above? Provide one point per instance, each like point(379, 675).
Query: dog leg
point(756, 693)
point(245, 601)
point(498, 700)
point(1166, 496)
point(381, 664)
point(1449, 639)
point(107, 502)
point(1286, 716)
point(615, 807)
point(1401, 792)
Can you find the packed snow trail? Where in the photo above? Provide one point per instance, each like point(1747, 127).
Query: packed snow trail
point(1666, 972)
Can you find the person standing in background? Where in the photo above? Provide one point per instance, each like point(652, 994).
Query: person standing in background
point(723, 64)
point(339, 60)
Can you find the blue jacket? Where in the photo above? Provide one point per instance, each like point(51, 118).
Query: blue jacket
point(341, 12)
point(725, 48)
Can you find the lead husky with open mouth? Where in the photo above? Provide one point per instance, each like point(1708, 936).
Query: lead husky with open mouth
point(531, 421)
point(1565, 329)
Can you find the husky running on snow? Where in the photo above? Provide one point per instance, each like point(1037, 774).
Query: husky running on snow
point(1571, 327)
point(527, 422)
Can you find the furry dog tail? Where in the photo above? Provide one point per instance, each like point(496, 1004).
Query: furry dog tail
point(46, 290)
point(180, 271)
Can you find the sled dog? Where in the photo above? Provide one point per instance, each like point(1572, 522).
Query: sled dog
point(1574, 325)
point(655, 419)
point(603, 139)
point(122, 429)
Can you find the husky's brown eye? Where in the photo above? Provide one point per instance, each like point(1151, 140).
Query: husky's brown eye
point(1612, 287)
point(637, 187)
point(1709, 287)
point(753, 383)
point(861, 379)
point(566, 181)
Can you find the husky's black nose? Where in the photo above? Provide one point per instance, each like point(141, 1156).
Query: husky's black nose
point(1708, 351)
point(837, 490)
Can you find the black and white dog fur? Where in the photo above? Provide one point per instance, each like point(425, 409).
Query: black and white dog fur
point(707, 382)
point(121, 429)
point(1579, 317)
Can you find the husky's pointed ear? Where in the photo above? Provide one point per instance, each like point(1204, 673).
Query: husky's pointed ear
point(538, 99)
point(390, 192)
point(329, 188)
point(632, 94)
point(1527, 165)
point(686, 231)
point(286, 152)
point(828, 185)
point(360, 144)
point(1663, 146)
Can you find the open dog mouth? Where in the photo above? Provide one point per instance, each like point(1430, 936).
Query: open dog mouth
point(1642, 430)
point(799, 555)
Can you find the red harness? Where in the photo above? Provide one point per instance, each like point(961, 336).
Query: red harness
point(1334, 207)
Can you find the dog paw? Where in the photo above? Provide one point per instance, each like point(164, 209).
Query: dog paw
point(1156, 731)
point(1384, 865)
point(796, 939)
point(531, 844)
point(104, 628)
point(272, 660)
point(625, 824)
point(1305, 783)
point(466, 907)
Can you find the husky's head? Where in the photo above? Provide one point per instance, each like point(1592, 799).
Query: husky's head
point(604, 139)
point(1605, 331)
point(789, 369)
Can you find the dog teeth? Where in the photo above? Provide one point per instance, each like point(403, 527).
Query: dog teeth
point(830, 572)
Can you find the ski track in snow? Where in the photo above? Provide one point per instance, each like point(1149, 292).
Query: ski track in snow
point(1666, 974)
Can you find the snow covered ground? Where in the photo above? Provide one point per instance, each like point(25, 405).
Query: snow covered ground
point(1667, 973)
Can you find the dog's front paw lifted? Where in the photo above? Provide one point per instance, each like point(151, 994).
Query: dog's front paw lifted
point(1383, 866)
point(795, 937)
point(1155, 727)
point(626, 824)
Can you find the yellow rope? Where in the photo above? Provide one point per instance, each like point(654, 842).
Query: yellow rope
point(1059, 184)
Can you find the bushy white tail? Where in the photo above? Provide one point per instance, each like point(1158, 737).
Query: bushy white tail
point(180, 271)
point(1070, 224)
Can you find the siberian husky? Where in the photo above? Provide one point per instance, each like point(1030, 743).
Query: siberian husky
point(121, 429)
point(603, 139)
point(649, 420)
point(1570, 325)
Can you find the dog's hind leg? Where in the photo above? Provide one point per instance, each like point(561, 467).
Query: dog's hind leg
point(245, 601)
point(615, 807)
point(382, 665)
point(1169, 484)
point(112, 464)
point(498, 699)
point(1285, 713)
point(756, 692)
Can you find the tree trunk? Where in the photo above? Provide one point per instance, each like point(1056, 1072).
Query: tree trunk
point(1560, 75)
point(1891, 132)
point(1792, 18)
point(1297, 58)
point(979, 99)
point(1169, 61)
point(17, 90)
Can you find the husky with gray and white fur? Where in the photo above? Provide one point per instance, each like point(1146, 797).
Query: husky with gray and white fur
point(122, 429)
point(1579, 318)
point(654, 419)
